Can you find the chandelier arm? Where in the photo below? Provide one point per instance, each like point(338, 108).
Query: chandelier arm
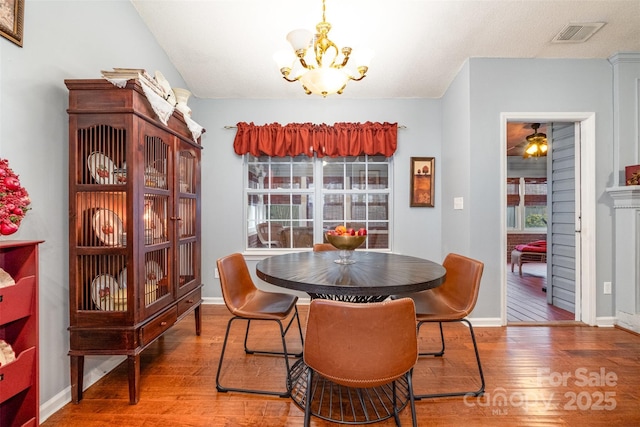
point(304, 63)
point(346, 54)
point(363, 73)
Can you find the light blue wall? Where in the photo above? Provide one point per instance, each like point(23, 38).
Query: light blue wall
point(76, 39)
point(455, 172)
point(416, 230)
point(509, 85)
point(62, 40)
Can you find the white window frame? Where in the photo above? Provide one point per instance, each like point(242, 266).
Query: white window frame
point(318, 191)
point(520, 214)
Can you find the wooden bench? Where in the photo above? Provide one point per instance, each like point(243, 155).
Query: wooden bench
point(519, 258)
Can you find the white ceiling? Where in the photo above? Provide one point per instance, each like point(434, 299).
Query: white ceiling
point(223, 49)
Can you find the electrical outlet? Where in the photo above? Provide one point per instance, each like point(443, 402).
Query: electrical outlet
point(216, 274)
point(607, 288)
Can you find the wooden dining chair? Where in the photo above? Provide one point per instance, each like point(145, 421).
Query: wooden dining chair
point(246, 302)
point(452, 301)
point(322, 247)
point(361, 346)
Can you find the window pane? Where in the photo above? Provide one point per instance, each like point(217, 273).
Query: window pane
point(333, 207)
point(378, 207)
point(511, 217)
point(535, 217)
point(333, 176)
point(378, 233)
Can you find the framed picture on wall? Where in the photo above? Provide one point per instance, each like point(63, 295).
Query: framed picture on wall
point(422, 185)
point(12, 20)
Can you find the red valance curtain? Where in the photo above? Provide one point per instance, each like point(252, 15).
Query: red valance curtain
point(339, 140)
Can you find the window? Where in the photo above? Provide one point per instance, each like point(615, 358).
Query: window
point(286, 209)
point(527, 204)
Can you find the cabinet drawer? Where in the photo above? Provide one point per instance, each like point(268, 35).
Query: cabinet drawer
point(16, 301)
point(17, 375)
point(157, 326)
point(188, 302)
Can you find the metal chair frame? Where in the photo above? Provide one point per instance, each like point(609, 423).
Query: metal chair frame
point(284, 353)
point(440, 353)
point(453, 312)
point(246, 302)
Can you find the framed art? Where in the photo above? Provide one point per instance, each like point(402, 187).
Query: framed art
point(12, 20)
point(422, 184)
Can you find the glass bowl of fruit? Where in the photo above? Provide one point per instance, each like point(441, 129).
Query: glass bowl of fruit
point(346, 241)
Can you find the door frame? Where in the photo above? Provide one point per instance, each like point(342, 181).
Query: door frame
point(585, 223)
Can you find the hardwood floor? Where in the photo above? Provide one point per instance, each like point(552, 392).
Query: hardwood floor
point(526, 301)
point(535, 376)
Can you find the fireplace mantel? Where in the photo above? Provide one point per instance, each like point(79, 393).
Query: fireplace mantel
point(626, 203)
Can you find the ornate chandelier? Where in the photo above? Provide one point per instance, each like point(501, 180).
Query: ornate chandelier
point(322, 70)
point(536, 143)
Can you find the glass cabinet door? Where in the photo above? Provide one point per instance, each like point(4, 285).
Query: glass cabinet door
point(187, 224)
point(153, 220)
point(101, 219)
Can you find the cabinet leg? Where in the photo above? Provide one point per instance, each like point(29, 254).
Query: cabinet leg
point(134, 378)
point(198, 315)
point(77, 374)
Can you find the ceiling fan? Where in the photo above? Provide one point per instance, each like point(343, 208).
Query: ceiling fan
point(533, 145)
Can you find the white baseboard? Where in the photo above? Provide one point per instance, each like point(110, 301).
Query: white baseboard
point(606, 322)
point(54, 404)
point(628, 321)
point(485, 322)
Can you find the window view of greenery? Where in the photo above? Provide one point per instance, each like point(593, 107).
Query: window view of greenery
point(281, 195)
point(527, 204)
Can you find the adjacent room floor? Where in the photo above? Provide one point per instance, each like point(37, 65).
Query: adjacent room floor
point(526, 299)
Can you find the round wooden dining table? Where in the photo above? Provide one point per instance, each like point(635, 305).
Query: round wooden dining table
point(372, 278)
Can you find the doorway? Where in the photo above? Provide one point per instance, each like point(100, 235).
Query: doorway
point(584, 220)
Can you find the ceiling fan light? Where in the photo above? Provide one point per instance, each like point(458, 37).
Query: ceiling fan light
point(537, 143)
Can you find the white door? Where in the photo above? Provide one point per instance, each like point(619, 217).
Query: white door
point(562, 208)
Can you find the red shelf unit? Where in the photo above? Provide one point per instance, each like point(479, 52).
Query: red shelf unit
point(19, 387)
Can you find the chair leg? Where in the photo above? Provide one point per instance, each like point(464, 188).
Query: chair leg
point(308, 398)
point(396, 416)
point(412, 399)
point(478, 392)
point(438, 353)
point(276, 353)
point(223, 389)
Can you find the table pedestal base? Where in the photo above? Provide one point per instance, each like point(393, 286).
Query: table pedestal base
point(350, 298)
point(346, 405)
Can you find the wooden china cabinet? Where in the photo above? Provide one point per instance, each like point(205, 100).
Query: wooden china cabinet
point(134, 225)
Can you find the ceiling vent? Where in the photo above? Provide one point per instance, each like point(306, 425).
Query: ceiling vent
point(577, 33)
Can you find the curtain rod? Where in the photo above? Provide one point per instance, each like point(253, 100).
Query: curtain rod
point(235, 127)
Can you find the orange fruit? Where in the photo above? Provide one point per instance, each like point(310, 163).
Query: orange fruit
point(341, 229)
